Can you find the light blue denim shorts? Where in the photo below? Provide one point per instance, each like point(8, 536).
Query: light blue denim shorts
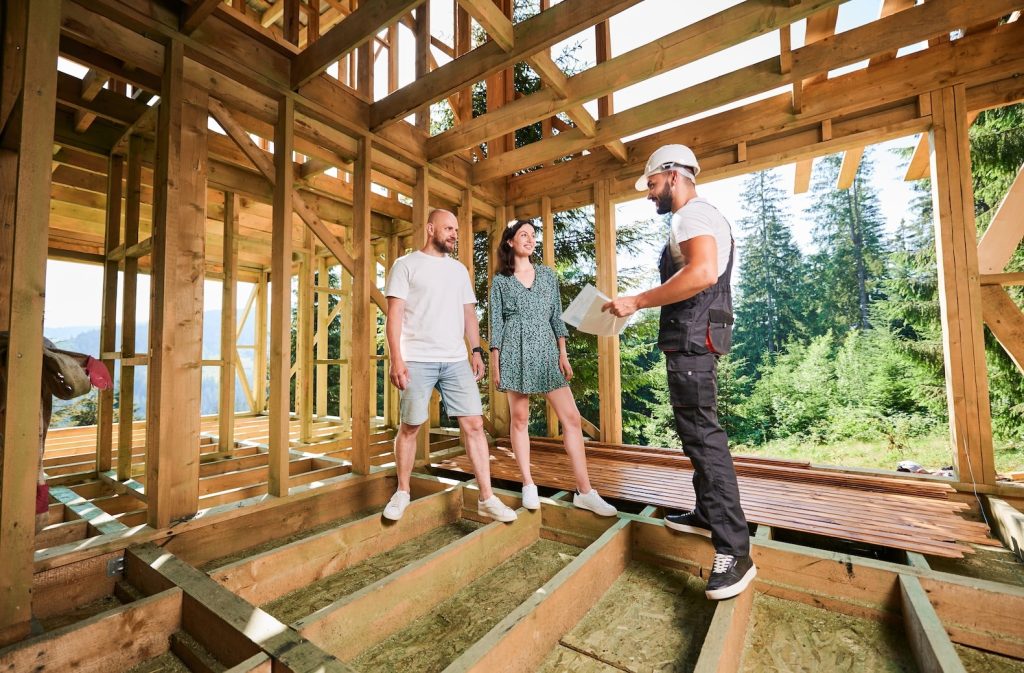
point(454, 380)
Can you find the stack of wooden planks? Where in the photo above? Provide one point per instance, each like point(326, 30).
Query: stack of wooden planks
point(904, 514)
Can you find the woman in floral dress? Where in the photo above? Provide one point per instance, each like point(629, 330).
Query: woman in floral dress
point(528, 357)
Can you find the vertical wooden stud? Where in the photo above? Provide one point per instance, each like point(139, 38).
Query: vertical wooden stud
point(548, 244)
point(609, 376)
point(108, 317)
point(228, 330)
point(129, 294)
point(362, 310)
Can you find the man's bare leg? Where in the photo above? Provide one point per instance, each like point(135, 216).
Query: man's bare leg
point(479, 455)
point(405, 454)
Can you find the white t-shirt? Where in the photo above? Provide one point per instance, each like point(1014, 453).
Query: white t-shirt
point(699, 218)
point(435, 290)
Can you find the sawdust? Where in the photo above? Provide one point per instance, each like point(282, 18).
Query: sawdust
point(309, 599)
point(282, 541)
point(788, 636)
point(650, 619)
point(978, 661)
point(165, 663)
point(433, 641)
point(997, 564)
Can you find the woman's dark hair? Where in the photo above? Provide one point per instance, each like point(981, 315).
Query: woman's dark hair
point(507, 258)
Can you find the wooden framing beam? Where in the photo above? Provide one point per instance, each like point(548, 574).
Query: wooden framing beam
point(108, 317)
point(1004, 233)
point(364, 315)
point(608, 365)
point(802, 176)
point(927, 637)
point(228, 328)
point(360, 26)
point(1004, 318)
point(531, 36)
point(281, 298)
point(828, 54)
point(686, 45)
point(129, 292)
point(494, 22)
point(719, 653)
point(176, 317)
point(849, 167)
point(28, 171)
point(360, 620)
point(196, 13)
point(959, 291)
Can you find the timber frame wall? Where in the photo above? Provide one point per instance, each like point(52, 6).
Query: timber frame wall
point(93, 174)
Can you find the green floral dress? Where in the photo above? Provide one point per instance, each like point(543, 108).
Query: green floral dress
point(525, 325)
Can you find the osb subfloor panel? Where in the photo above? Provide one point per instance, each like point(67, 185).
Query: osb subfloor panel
point(82, 612)
point(281, 541)
point(979, 661)
point(997, 564)
point(433, 641)
point(791, 637)
point(651, 619)
point(309, 599)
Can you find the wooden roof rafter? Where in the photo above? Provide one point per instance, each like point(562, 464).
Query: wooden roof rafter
point(907, 27)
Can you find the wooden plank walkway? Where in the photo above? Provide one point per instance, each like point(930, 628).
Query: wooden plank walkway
point(893, 513)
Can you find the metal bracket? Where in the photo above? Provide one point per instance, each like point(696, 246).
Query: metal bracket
point(115, 566)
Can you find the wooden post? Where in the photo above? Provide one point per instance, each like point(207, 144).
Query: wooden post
point(365, 63)
point(304, 340)
point(970, 418)
point(108, 319)
point(422, 63)
point(391, 411)
point(228, 329)
point(259, 373)
point(548, 243)
point(322, 327)
point(27, 286)
point(345, 352)
point(393, 58)
point(501, 418)
point(463, 45)
point(362, 310)
point(609, 376)
point(291, 21)
point(176, 322)
point(281, 297)
point(420, 212)
point(129, 293)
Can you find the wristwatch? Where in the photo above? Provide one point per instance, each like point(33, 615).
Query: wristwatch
point(478, 349)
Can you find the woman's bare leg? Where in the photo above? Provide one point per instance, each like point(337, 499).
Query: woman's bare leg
point(519, 432)
point(564, 405)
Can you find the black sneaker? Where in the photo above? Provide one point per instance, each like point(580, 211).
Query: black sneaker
point(730, 575)
point(688, 522)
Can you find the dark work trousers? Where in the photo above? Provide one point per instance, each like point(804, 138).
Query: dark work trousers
point(693, 389)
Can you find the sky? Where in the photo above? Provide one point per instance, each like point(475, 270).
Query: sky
point(73, 290)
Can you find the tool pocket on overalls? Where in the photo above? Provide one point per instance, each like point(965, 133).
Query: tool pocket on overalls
point(692, 381)
point(719, 331)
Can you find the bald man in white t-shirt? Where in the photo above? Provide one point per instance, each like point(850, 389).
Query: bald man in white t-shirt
point(431, 316)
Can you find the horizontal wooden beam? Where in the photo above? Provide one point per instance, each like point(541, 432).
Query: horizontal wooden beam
point(928, 640)
point(358, 27)
point(911, 25)
point(535, 34)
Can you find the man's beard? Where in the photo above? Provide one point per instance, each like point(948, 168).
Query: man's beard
point(443, 246)
point(663, 201)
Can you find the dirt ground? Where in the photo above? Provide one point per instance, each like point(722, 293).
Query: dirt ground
point(433, 641)
point(998, 564)
point(978, 661)
point(651, 619)
point(787, 636)
point(282, 541)
point(309, 599)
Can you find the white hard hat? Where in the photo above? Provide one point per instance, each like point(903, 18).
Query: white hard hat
point(666, 158)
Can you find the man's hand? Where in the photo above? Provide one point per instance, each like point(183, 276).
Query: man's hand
point(563, 364)
point(399, 374)
point(479, 368)
point(622, 307)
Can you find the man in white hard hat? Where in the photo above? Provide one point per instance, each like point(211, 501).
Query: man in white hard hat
point(696, 328)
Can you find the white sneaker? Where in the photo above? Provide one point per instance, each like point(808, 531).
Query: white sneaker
point(495, 509)
point(593, 502)
point(396, 506)
point(531, 499)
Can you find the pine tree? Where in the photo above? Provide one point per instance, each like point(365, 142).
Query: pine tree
point(770, 305)
point(848, 265)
